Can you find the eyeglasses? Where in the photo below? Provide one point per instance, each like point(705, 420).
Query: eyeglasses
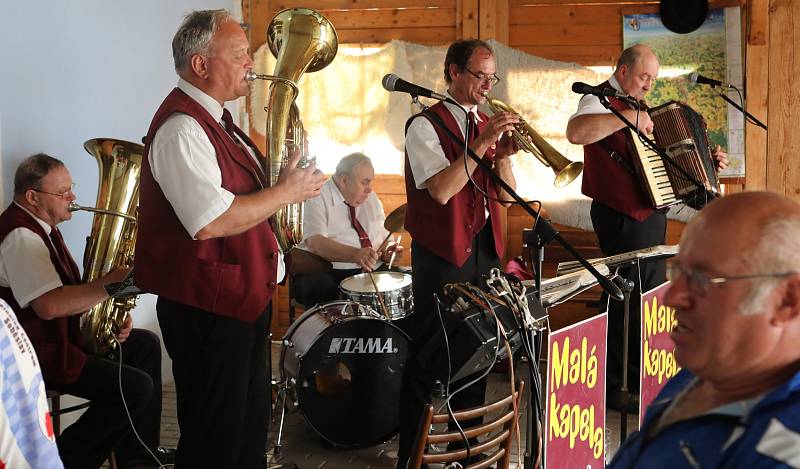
point(491, 79)
point(700, 283)
point(62, 195)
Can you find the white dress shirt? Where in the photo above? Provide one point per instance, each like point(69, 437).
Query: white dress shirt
point(184, 164)
point(25, 264)
point(425, 154)
point(590, 104)
point(328, 215)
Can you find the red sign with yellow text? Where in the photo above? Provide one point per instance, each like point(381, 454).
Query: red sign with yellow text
point(658, 351)
point(575, 417)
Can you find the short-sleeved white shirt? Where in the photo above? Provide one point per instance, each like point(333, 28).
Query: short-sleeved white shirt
point(328, 215)
point(590, 104)
point(25, 264)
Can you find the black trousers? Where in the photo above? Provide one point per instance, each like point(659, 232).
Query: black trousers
point(104, 426)
point(427, 355)
point(222, 371)
point(617, 234)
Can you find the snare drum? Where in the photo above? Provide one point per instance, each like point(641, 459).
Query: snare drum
point(393, 287)
point(346, 366)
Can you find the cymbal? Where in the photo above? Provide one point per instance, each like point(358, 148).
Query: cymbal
point(305, 262)
point(395, 221)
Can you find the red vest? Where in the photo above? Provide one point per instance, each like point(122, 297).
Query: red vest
point(606, 181)
point(58, 342)
point(447, 230)
point(231, 276)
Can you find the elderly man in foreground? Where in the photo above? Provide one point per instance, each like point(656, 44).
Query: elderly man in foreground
point(736, 293)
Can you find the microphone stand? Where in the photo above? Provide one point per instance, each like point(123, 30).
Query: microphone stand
point(700, 188)
point(545, 232)
point(740, 108)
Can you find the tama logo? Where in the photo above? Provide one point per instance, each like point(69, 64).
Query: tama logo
point(361, 345)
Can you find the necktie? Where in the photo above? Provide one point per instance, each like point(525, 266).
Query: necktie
point(478, 176)
point(227, 119)
point(363, 237)
point(69, 267)
point(227, 123)
point(64, 258)
point(473, 127)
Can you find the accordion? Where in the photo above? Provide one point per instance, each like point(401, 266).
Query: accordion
point(681, 133)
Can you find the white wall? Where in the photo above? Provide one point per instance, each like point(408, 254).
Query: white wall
point(80, 69)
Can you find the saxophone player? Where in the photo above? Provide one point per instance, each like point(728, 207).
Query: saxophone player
point(206, 248)
point(40, 280)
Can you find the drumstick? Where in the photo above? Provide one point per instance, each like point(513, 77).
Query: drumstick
point(380, 298)
point(384, 243)
point(394, 253)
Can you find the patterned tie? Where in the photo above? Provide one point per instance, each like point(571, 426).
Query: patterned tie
point(363, 237)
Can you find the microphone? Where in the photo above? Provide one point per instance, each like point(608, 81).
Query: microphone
point(583, 88)
point(392, 82)
point(701, 80)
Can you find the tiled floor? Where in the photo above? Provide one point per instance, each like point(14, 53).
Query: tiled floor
point(302, 447)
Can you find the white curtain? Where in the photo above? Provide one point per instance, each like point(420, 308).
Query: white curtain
point(345, 109)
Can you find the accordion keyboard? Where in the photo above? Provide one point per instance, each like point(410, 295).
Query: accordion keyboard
point(655, 176)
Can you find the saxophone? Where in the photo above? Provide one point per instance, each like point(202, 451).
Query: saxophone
point(302, 40)
point(110, 245)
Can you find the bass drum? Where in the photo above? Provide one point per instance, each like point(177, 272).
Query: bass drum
point(345, 364)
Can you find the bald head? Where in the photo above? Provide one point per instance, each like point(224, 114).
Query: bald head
point(746, 219)
point(634, 54)
point(748, 233)
point(637, 70)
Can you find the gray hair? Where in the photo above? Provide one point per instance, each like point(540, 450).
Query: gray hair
point(349, 163)
point(195, 35)
point(32, 170)
point(777, 251)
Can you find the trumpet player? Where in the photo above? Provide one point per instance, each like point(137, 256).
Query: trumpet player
point(206, 248)
point(41, 282)
point(454, 223)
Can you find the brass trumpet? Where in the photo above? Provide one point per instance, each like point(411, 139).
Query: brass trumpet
point(529, 140)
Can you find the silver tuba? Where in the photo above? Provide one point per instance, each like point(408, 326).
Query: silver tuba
point(110, 245)
point(302, 40)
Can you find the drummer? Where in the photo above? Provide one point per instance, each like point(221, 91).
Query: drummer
point(344, 225)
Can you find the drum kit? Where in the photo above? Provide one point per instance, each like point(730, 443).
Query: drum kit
point(341, 363)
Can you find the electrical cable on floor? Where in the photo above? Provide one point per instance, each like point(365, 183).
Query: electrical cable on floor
point(128, 412)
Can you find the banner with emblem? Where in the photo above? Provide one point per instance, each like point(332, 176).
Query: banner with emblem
point(575, 416)
point(657, 363)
